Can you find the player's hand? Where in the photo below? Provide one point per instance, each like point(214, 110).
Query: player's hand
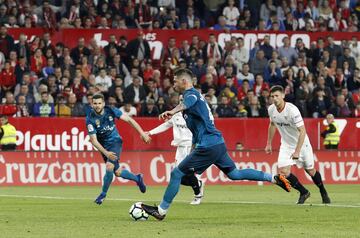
point(268, 149)
point(110, 155)
point(295, 155)
point(166, 115)
point(146, 138)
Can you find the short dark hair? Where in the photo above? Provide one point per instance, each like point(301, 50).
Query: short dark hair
point(98, 96)
point(277, 88)
point(181, 72)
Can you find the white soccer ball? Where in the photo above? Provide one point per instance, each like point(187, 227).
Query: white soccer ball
point(137, 213)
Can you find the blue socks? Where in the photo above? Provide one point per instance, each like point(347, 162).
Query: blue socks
point(107, 181)
point(172, 188)
point(126, 174)
point(249, 174)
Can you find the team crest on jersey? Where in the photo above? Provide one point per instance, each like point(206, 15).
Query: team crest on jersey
point(111, 118)
point(97, 122)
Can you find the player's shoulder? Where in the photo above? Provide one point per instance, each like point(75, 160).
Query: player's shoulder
point(291, 108)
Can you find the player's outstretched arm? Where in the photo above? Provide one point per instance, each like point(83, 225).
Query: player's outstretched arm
point(271, 133)
point(99, 147)
point(146, 138)
point(161, 128)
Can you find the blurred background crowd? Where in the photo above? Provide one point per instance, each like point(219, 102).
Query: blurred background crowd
point(39, 78)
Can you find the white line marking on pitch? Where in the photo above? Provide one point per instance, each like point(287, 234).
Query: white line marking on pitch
point(181, 201)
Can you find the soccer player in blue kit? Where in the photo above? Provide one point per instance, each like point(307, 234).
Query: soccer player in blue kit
point(209, 146)
point(105, 137)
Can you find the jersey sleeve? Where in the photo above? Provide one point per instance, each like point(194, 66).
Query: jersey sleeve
point(296, 117)
point(190, 99)
point(117, 112)
point(90, 127)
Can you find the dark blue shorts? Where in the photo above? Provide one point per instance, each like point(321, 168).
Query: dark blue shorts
point(202, 158)
point(116, 148)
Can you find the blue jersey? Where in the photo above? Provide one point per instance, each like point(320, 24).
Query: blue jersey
point(104, 126)
point(200, 120)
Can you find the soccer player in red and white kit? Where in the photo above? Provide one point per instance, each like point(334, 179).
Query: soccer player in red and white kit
point(295, 144)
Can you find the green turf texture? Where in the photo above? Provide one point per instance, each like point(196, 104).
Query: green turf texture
point(225, 212)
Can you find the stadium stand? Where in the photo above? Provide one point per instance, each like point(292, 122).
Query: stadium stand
point(36, 74)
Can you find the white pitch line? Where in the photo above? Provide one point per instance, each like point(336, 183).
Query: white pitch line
point(181, 201)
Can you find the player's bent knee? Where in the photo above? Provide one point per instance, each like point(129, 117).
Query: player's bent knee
point(176, 173)
point(311, 172)
point(284, 171)
point(109, 166)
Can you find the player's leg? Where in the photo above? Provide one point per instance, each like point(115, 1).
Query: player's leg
point(309, 165)
point(189, 179)
point(197, 161)
point(284, 168)
point(126, 174)
point(108, 177)
point(227, 165)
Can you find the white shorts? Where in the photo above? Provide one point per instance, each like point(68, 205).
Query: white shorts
point(306, 158)
point(181, 153)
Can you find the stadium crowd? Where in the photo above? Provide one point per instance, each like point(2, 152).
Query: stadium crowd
point(39, 78)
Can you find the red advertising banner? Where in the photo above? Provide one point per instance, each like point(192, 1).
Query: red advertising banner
point(87, 168)
point(159, 38)
point(69, 134)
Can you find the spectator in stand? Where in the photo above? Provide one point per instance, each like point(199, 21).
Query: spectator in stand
point(149, 109)
point(7, 79)
point(61, 109)
point(320, 104)
point(135, 92)
point(224, 109)
point(325, 10)
point(138, 48)
point(212, 50)
point(266, 9)
point(79, 51)
point(353, 83)
point(341, 108)
point(129, 109)
point(22, 109)
point(260, 85)
point(259, 63)
point(104, 79)
point(266, 47)
point(44, 108)
point(240, 54)
point(37, 62)
point(254, 109)
point(77, 109)
point(272, 74)
point(6, 41)
point(231, 13)
point(287, 51)
point(245, 74)
point(348, 58)
point(222, 25)
point(334, 49)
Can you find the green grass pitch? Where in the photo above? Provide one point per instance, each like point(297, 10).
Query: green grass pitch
point(226, 211)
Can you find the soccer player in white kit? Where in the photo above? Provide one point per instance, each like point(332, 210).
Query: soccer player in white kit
point(183, 141)
point(295, 144)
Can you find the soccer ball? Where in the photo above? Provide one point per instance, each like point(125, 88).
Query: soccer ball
point(137, 213)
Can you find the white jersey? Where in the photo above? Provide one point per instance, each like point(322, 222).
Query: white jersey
point(182, 135)
point(287, 121)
